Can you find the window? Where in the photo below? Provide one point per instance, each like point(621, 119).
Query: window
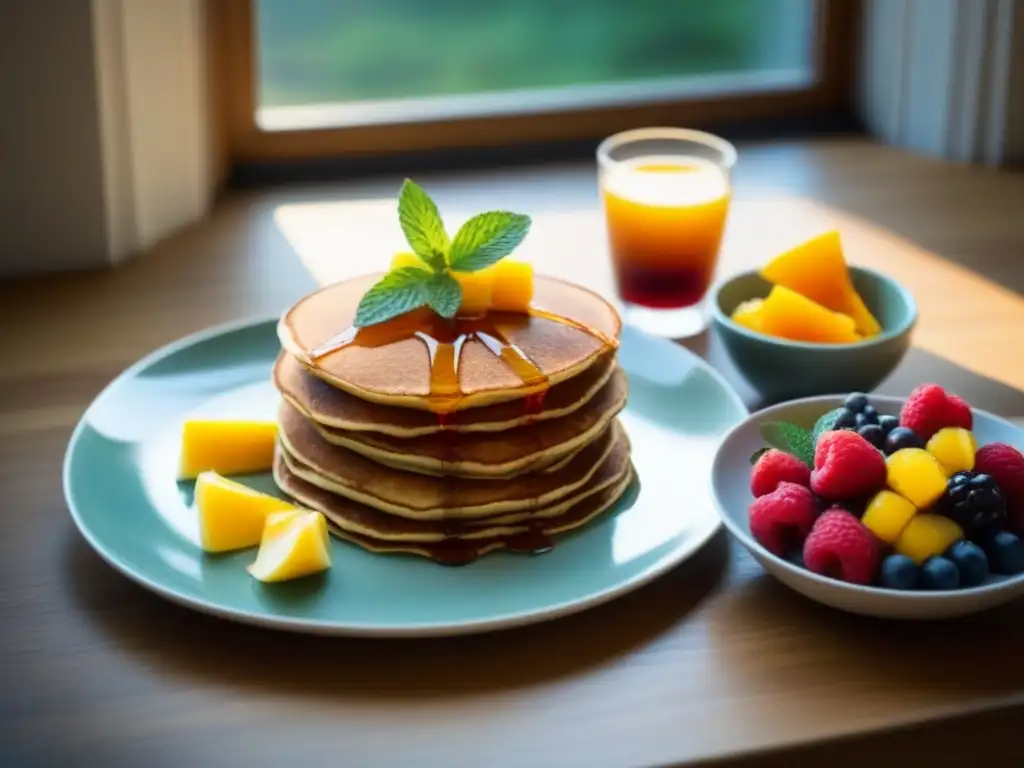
point(353, 76)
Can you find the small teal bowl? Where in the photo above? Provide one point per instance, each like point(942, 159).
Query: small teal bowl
point(780, 369)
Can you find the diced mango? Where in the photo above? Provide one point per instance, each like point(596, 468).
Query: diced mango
point(927, 535)
point(512, 283)
point(887, 514)
point(748, 314)
point(503, 287)
point(954, 447)
point(407, 259)
point(817, 269)
point(294, 544)
point(916, 475)
point(227, 447)
point(788, 315)
point(231, 515)
point(476, 292)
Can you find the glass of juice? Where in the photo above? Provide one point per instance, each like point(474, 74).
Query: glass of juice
point(666, 194)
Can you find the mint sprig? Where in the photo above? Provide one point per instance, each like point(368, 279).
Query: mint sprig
point(482, 241)
point(825, 423)
point(791, 438)
point(421, 224)
point(486, 239)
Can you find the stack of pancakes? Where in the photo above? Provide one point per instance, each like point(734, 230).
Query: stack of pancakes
point(505, 462)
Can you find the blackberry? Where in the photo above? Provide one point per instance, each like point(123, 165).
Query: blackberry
point(974, 502)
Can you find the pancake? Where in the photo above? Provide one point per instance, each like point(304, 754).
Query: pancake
point(534, 540)
point(393, 363)
point(334, 407)
point(425, 497)
point(350, 518)
point(487, 454)
point(612, 465)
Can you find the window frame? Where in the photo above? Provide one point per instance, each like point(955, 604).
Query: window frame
point(232, 68)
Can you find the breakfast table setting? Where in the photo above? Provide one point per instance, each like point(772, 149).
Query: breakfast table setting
point(669, 630)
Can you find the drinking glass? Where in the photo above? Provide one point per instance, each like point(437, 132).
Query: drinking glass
point(666, 195)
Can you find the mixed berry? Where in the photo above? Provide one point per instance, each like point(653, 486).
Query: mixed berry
point(907, 502)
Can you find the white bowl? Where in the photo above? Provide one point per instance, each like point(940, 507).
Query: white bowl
point(730, 482)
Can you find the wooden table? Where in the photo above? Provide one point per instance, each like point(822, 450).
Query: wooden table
point(713, 660)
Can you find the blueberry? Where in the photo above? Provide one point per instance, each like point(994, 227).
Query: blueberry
point(899, 572)
point(971, 561)
point(901, 438)
point(870, 413)
point(860, 420)
point(856, 401)
point(845, 419)
point(888, 423)
point(1005, 553)
point(938, 573)
point(873, 434)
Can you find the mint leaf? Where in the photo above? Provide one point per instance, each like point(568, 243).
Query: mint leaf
point(758, 454)
point(422, 225)
point(789, 438)
point(825, 423)
point(444, 295)
point(486, 239)
point(399, 291)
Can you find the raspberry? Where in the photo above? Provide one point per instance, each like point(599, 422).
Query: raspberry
point(782, 518)
point(845, 466)
point(774, 467)
point(840, 546)
point(929, 409)
point(1005, 464)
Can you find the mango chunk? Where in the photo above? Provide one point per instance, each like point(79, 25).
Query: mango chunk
point(231, 515)
point(294, 544)
point(227, 447)
point(817, 269)
point(789, 315)
point(503, 287)
point(477, 292)
point(748, 314)
point(512, 285)
point(407, 259)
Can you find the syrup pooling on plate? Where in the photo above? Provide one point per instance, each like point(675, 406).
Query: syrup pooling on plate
point(444, 341)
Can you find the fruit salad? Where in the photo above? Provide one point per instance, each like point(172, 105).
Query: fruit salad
point(908, 502)
point(812, 298)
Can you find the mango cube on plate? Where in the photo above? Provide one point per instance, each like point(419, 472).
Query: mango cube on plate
point(231, 515)
point(295, 543)
point(227, 447)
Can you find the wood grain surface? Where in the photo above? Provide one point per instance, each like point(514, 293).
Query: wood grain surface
point(713, 661)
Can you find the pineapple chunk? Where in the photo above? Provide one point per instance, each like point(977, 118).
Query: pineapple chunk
point(231, 515)
point(227, 447)
point(294, 544)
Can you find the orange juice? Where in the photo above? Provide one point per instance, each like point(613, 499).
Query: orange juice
point(665, 217)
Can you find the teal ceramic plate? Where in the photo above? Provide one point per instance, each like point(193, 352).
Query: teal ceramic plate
point(119, 480)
